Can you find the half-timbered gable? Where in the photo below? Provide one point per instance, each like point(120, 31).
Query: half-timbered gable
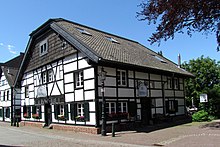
point(61, 83)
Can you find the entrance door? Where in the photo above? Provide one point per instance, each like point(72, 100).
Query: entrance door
point(48, 114)
point(145, 110)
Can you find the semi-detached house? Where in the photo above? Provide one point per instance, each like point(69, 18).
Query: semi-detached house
point(60, 82)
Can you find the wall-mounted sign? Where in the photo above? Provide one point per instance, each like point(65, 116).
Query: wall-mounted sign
point(203, 98)
point(142, 89)
point(42, 92)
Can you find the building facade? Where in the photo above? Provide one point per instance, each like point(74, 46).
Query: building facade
point(9, 95)
point(60, 78)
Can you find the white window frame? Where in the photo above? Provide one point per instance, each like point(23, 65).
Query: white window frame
point(122, 79)
point(61, 109)
point(80, 109)
point(79, 79)
point(43, 49)
point(50, 75)
point(26, 91)
point(44, 77)
point(110, 106)
point(176, 83)
point(123, 107)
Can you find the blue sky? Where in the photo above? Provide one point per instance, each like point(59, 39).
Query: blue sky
point(20, 18)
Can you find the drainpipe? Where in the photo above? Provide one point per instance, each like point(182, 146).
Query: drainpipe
point(12, 106)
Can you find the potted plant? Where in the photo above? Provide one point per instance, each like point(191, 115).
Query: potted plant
point(26, 115)
point(80, 118)
point(36, 116)
point(61, 117)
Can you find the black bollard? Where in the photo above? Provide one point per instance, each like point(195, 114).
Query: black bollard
point(113, 129)
point(17, 122)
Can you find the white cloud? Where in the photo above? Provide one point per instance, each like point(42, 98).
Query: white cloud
point(9, 47)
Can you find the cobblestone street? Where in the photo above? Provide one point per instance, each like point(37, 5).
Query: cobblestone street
point(190, 135)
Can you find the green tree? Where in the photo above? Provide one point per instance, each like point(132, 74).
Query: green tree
point(172, 16)
point(207, 80)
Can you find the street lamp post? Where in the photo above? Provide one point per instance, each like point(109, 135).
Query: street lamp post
point(102, 75)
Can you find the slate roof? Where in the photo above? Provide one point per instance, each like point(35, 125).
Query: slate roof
point(10, 68)
point(120, 50)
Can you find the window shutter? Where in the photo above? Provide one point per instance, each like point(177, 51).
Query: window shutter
point(73, 110)
point(176, 105)
point(167, 107)
point(29, 111)
point(86, 111)
point(56, 111)
point(132, 109)
point(66, 112)
point(33, 109)
point(40, 115)
point(0, 112)
point(100, 110)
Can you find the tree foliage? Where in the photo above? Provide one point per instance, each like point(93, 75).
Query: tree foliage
point(176, 15)
point(207, 80)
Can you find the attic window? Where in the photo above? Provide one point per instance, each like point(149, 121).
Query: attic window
point(83, 31)
point(111, 39)
point(43, 47)
point(158, 58)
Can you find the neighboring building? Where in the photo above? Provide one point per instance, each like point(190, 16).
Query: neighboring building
point(60, 83)
point(9, 96)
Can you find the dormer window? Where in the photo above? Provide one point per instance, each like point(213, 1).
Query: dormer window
point(83, 31)
point(43, 47)
point(111, 39)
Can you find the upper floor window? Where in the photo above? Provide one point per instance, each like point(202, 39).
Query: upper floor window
point(26, 90)
point(50, 75)
point(121, 78)
point(8, 95)
point(43, 47)
point(44, 77)
point(176, 83)
point(79, 79)
point(4, 96)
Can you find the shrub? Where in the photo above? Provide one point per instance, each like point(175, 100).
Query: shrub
point(202, 116)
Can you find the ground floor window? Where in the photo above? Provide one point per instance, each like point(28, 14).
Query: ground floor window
point(27, 111)
point(7, 113)
point(171, 106)
point(79, 111)
point(61, 112)
point(1, 113)
point(36, 112)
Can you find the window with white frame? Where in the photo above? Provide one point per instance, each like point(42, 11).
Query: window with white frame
point(110, 107)
point(26, 91)
point(80, 109)
point(169, 83)
point(50, 75)
point(123, 107)
point(61, 112)
point(176, 83)
point(43, 47)
point(44, 77)
point(79, 79)
point(121, 78)
point(7, 95)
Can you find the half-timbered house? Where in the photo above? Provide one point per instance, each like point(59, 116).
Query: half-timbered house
point(60, 83)
point(9, 95)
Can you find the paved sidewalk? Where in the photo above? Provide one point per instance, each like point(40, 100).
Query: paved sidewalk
point(190, 135)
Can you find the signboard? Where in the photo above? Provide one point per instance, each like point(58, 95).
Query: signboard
point(42, 92)
point(203, 98)
point(142, 89)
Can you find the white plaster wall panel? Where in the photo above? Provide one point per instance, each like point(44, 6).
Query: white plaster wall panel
point(55, 90)
point(122, 92)
point(155, 77)
point(70, 58)
point(8, 103)
point(137, 92)
point(180, 101)
point(159, 102)
point(179, 94)
point(79, 95)
point(90, 95)
point(89, 73)
point(69, 97)
point(110, 71)
point(169, 93)
point(31, 94)
point(49, 66)
point(181, 86)
point(91, 106)
point(17, 102)
point(92, 120)
point(68, 78)
point(59, 74)
point(69, 87)
point(29, 75)
point(60, 84)
point(30, 81)
point(22, 102)
point(181, 110)
point(27, 101)
point(159, 110)
point(110, 81)
point(70, 67)
point(138, 105)
point(111, 92)
point(158, 85)
point(83, 64)
point(49, 88)
point(131, 83)
point(89, 84)
point(130, 74)
point(31, 101)
point(31, 87)
point(156, 93)
point(141, 75)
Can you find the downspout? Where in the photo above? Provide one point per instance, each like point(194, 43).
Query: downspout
point(12, 106)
